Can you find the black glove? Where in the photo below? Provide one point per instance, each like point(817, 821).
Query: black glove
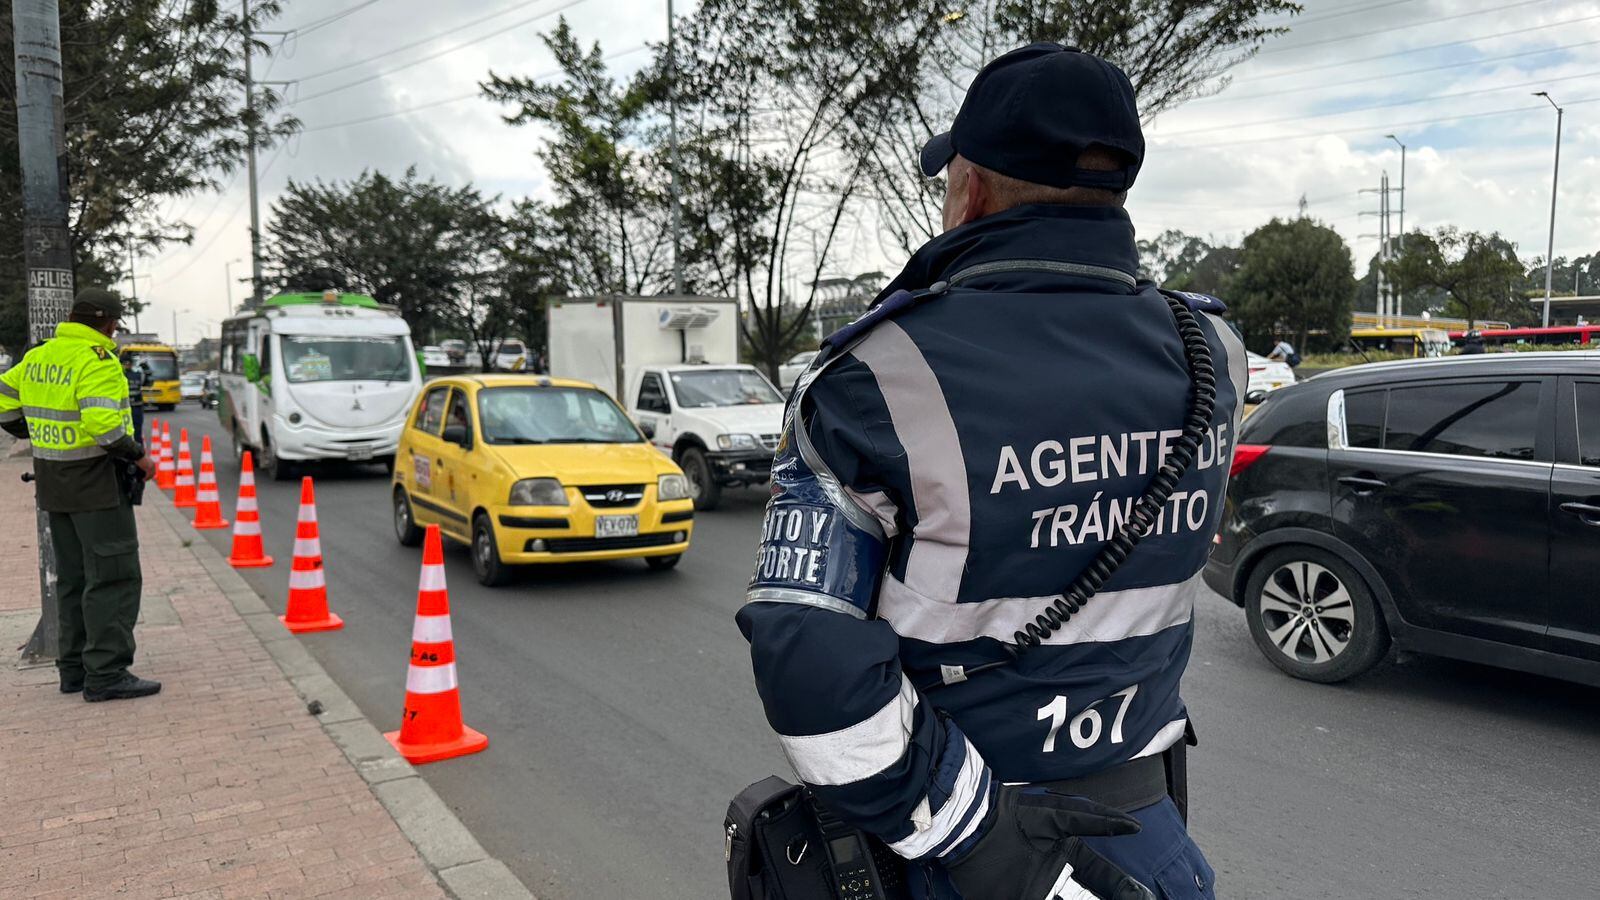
point(1033, 836)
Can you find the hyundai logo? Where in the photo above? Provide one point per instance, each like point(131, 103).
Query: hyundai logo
point(615, 496)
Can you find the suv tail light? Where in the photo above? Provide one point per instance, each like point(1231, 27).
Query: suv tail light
point(1245, 455)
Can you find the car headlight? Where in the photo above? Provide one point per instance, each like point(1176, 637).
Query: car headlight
point(738, 442)
point(538, 492)
point(672, 487)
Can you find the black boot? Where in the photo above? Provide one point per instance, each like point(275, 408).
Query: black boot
point(128, 687)
point(72, 684)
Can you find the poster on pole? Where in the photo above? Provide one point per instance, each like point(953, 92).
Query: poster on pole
point(49, 301)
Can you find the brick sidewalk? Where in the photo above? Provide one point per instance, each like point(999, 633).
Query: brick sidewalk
point(221, 786)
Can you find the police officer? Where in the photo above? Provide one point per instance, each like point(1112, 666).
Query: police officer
point(70, 398)
point(134, 372)
point(950, 463)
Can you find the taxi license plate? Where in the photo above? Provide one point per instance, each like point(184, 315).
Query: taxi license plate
point(359, 454)
point(616, 526)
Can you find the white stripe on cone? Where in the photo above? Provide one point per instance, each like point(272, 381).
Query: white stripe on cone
point(207, 496)
point(247, 479)
point(301, 579)
point(307, 514)
point(186, 480)
point(432, 578)
point(307, 547)
point(246, 504)
point(431, 679)
point(246, 527)
point(431, 630)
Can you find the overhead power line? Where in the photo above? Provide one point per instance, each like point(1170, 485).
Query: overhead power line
point(1422, 49)
point(435, 55)
point(1383, 105)
point(1373, 129)
point(200, 253)
point(1428, 22)
point(443, 101)
point(1338, 14)
point(1389, 76)
point(327, 20)
point(523, 4)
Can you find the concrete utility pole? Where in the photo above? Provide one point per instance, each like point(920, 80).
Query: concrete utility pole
point(250, 161)
point(672, 131)
point(133, 284)
point(1555, 179)
point(46, 240)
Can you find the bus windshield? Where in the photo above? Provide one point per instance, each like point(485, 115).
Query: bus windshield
point(161, 366)
point(344, 358)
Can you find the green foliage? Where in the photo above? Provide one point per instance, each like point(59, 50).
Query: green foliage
point(153, 110)
point(1294, 280)
point(1479, 274)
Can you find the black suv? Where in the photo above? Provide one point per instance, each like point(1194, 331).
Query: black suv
point(1446, 506)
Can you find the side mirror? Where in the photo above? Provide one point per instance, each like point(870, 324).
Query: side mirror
point(456, 434)
point(649, 429)
point(252, 367)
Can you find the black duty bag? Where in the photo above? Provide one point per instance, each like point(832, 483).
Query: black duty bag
point(776, 848)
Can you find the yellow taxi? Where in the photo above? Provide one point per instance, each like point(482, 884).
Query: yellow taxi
point(532, 469)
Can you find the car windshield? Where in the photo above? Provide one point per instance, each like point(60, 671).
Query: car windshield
point(801, 359)
point(552, 415)
point(325, 358)
point(162, 366)
point(193, 379)
point(511, 347)
point(722, 387)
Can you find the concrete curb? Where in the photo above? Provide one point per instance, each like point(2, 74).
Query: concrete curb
point(465, 870)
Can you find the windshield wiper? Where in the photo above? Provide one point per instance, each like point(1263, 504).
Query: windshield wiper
point(404, 364)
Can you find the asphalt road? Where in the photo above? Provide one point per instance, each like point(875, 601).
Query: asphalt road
point(621, 719)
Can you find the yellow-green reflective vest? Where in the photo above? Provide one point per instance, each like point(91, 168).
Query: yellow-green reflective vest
point(73, 394)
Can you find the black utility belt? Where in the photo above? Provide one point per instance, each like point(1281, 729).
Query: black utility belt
point(1132, 785)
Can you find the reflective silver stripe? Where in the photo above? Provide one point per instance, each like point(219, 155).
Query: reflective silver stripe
point(922, 420)
point(859, 751)
point(431, 679)
point(1043, 265)
point(246, 527)
point(431, 629)
point(101, 403)
point(1238, 364)
point(1170, 734)
point(879, 504)
point(7, 390)
point(307, 547)
point(53, 415)
point(802, 598)
point(795, 424)
point(306, 579)
point(1108, 616)
point(110, 437)
point(67, 455)
point(11, 416)
point(432, 578)
point(964, 795)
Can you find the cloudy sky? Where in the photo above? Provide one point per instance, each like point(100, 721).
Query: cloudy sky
point(393, 83)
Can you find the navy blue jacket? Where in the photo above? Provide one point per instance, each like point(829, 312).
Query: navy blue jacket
point(945, 471)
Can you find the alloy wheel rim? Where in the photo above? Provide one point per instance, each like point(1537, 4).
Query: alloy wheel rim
point(1307, 612)
point(696, 484)
point(481, 545)
point(402, 518)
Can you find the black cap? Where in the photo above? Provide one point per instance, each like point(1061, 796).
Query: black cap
point(97, 302)
point(1031, 112)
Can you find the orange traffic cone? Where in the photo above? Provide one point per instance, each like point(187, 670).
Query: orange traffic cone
point(165, 476)
point(247, 550)
point(183, 493)
point(208, 508)
point(152, 444)
point(308, 589)
point(431, 727)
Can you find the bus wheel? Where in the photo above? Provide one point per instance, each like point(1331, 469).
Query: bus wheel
point(270, 465)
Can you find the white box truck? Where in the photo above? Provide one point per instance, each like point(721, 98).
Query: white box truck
point(672, 362)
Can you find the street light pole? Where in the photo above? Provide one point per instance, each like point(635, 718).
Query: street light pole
point(1555, 180)
point(227, 273)
point(250, 160)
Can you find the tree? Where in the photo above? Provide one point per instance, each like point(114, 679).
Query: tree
point(609, 213)
point(1480, 274)
point(1172, 50)
point(1171, 255)
point(1412, 302)
point(419, 245)
point(152, 110)
point(1295, 279)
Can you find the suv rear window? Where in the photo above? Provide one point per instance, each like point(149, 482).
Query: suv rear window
point(1363, 417)
point(1494, 419)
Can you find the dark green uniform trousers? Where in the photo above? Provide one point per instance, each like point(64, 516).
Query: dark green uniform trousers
point(97, 591)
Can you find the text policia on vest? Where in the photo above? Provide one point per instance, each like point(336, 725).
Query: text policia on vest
point(1092, 458)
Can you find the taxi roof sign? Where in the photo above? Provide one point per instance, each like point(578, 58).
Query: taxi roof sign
point(321, 297)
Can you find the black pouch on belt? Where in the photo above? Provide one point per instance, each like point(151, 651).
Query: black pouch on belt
point(780, 844)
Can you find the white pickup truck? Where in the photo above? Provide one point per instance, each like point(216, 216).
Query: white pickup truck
point(672, 364)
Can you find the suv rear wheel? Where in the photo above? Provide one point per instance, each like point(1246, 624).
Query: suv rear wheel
point(1313, 616)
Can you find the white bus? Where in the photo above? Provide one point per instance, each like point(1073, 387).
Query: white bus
point(317, 376)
